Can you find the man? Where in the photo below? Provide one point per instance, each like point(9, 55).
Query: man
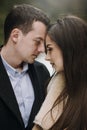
point(21, 81)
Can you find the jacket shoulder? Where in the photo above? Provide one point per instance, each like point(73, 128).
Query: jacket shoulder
point(41, 68)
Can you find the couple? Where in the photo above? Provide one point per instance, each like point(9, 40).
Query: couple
point(27, 33)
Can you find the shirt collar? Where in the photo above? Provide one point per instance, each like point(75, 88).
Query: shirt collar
point(12, 70)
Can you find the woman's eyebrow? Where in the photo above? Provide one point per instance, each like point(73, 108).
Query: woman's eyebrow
point(48, 45)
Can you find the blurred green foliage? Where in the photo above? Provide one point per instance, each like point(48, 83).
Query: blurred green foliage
point(54, 8)
point(1, 27)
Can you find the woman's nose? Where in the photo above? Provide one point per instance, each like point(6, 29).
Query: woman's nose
point(47, 57)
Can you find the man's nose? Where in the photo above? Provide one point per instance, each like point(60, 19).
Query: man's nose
point(41, 48)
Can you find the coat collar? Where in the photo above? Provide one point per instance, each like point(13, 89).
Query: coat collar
point(37, 102)
point(46, 118)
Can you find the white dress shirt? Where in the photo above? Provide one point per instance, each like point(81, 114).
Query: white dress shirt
point(23, 89)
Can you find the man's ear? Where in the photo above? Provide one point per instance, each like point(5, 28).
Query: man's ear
point(15, 34)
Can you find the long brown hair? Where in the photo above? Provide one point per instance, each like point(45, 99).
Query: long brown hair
point(70, 34)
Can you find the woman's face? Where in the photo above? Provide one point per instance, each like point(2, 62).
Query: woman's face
point(54, 54)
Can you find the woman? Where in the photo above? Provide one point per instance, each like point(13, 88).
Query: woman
point(65, 106)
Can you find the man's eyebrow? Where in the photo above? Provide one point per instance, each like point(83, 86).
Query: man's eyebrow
point(39, 38)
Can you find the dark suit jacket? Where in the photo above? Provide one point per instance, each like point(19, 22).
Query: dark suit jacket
point(10, 117)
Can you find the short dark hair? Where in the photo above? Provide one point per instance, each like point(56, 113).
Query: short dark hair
point(22, 16)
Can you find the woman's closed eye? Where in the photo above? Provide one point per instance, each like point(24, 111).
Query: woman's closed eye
point(48, 50)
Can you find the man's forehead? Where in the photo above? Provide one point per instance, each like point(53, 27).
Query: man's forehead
point(38, 24)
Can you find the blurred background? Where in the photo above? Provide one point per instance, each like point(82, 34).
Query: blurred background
point(54, 9)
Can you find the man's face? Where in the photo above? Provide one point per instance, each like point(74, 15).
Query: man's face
point(30, 45)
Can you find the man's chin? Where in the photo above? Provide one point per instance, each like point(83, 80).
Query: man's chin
point(32, 61)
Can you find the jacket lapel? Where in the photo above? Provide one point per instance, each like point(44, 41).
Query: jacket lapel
point(7, 94)
point(36, 86)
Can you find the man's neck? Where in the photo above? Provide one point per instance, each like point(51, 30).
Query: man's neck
point(11, 58)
